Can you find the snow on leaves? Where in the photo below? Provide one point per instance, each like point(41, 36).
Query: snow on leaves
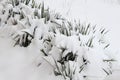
point(73, 49)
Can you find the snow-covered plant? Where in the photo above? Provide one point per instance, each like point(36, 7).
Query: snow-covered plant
point(19, 14)
point(76, 51)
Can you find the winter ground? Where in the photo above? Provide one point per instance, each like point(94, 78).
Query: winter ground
point(20, 64)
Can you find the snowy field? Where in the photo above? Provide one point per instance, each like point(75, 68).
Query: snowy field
point(18, 63)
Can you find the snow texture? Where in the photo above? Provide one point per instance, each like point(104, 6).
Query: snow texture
point(46, 41)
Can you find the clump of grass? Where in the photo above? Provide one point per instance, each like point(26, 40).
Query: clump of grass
point(24, 39)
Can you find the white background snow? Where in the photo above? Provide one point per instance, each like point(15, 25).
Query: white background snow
point(20, 63)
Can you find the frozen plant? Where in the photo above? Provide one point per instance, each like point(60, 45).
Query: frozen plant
point(76, 51)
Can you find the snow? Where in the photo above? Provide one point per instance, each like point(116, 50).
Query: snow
point(29, 63)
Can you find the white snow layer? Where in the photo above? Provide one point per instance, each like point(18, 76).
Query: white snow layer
point(18, 63)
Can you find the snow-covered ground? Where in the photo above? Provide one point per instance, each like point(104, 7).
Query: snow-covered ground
point(20, 63)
